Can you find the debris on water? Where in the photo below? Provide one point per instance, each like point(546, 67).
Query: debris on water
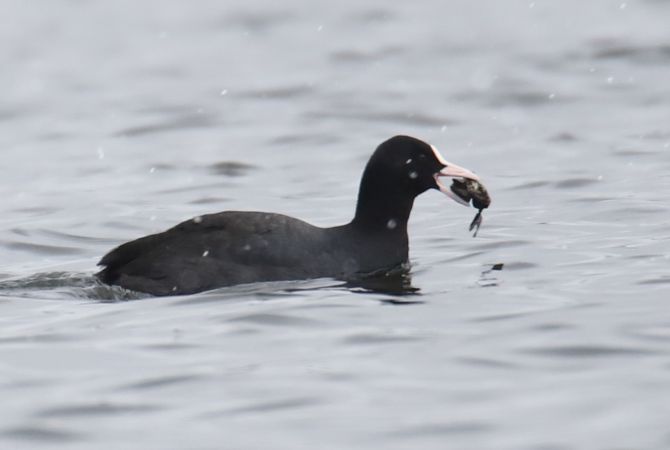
point(492, 267)
point(487, 279)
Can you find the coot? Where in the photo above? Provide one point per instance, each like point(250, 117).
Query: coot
point(235, 247)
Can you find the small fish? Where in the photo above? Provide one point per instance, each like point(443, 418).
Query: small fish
point(475, 192)
point(476, 222)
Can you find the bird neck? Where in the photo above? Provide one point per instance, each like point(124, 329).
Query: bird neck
point(382, 205)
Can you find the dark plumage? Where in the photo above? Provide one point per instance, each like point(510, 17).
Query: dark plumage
point(235, 247)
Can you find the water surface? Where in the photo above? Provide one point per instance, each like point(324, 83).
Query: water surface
point(120, 119)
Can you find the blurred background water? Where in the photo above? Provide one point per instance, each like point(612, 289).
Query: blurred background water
point(123, 118)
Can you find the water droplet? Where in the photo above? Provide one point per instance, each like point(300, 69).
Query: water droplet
point(152, 170)
point(600, 177)
point(152, 218)
point(174, 288)
point(443, 129)
point(413, 175)
point(391, 224)
point(610, 80)
point(101, 153)
point(205, 253)
point(531, 5)
point(622, 6)
point(246, 248)
point(197, 219)
point(552, 96)
point(409, 161)
point(319, 28)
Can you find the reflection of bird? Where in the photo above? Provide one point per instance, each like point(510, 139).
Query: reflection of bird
point(236, 247)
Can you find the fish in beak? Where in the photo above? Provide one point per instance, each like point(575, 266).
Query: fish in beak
point(465, 188)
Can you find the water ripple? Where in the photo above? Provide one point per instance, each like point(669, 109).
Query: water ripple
point(271, 406)
point(572, 183)
point(231, 168)
point(63, 285)
point(275, 320)
point(96, 409)
point(373, 15)
point(380, 338)
point(530, 185)
point(649, 54)
point(182, 123)
point(36, 338)
point(278, 93)
point(443, 429)
point(42, 249)
point(257, 20)
point(160, 382)
point(589, 351)
point(369, 56)
point(564, 137)
point(404, 118)
point(665, 279)
point(41, 434)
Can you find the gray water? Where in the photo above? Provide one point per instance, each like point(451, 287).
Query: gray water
point(120, 119)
